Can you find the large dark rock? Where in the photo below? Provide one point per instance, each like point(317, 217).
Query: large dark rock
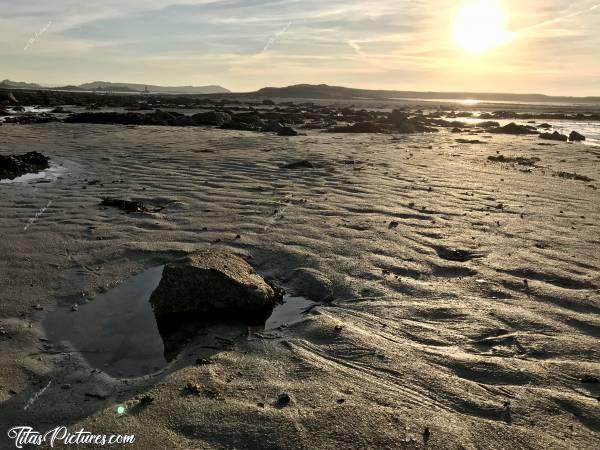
point(251, 118)
point(157, 117)
point(211, 283)
point(13, 166)
point(242, 126)
point(397, 117)
point(287, 131)
point(272, 126)
point(488, 124)
point(576, 137)
point(513, 128)
point(556, 136)
point(215, 118)
point(125, 205)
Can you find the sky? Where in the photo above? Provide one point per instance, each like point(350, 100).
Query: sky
point(243, 45)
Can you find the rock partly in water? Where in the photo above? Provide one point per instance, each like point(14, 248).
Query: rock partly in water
point(28, 119)
point(556, 136)
point(287, 131)
point(215, 118)
point(302, 164)
point(576, 137)
point(242, 126)
point(125, 205)
point(130, 118)
point(513, 128)
point(359, 127)
point(13, 166)
point(522, 160)
point(214, 283)
point(488, 124)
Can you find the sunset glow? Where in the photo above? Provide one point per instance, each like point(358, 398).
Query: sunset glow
point(481, 26)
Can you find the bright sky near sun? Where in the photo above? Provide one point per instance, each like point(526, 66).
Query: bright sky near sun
point(548, 46)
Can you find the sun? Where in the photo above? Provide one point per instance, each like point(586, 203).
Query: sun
point(480, 26)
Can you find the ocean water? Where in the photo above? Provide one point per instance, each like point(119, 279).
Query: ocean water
point(591, 130)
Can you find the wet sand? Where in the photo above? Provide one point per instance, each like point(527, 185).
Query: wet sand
point(460, 295)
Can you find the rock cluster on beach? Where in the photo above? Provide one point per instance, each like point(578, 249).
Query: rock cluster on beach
point(13, 166)
point(285, 118)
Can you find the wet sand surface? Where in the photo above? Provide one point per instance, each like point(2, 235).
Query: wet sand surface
point(460, 296)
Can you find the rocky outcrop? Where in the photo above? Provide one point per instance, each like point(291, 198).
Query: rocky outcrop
point(213, 283)
point(214, 118)
point(359, 127)
point(124, 205)
point(488, 124)
point(513, 128)
point(13, 166)
point(287, 131)
point(556, 136)
point(157, 117)
point(576, 137)
point(242, 126)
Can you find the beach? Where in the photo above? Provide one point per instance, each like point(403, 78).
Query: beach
point(454, 295)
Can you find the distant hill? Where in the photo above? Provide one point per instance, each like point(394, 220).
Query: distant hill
point(134, 87)
point(107, 86)
point(7, 84)
point(323, 91)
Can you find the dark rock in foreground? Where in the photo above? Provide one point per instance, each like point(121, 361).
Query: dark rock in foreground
point(556, 136)
point(13, 166)
point(513, 128)
point(215, 118)
point(303, 164)
point(576, 137)
point(130, 118)
point(213, 283)
point(287, 131)
point(125, 205)
point(470, 141)
point(28, 119)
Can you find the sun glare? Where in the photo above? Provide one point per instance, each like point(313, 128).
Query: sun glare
point(481, 26)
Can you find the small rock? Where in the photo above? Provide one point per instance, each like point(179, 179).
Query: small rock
point(303, 164)
point(426, 435)
point(283, 399)
point(146, 400)
point(193, 388)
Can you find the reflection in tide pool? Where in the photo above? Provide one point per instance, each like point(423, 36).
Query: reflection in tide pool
point(117, 332)
point(50, 174)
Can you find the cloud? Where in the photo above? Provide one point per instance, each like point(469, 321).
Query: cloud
point(246, 44)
